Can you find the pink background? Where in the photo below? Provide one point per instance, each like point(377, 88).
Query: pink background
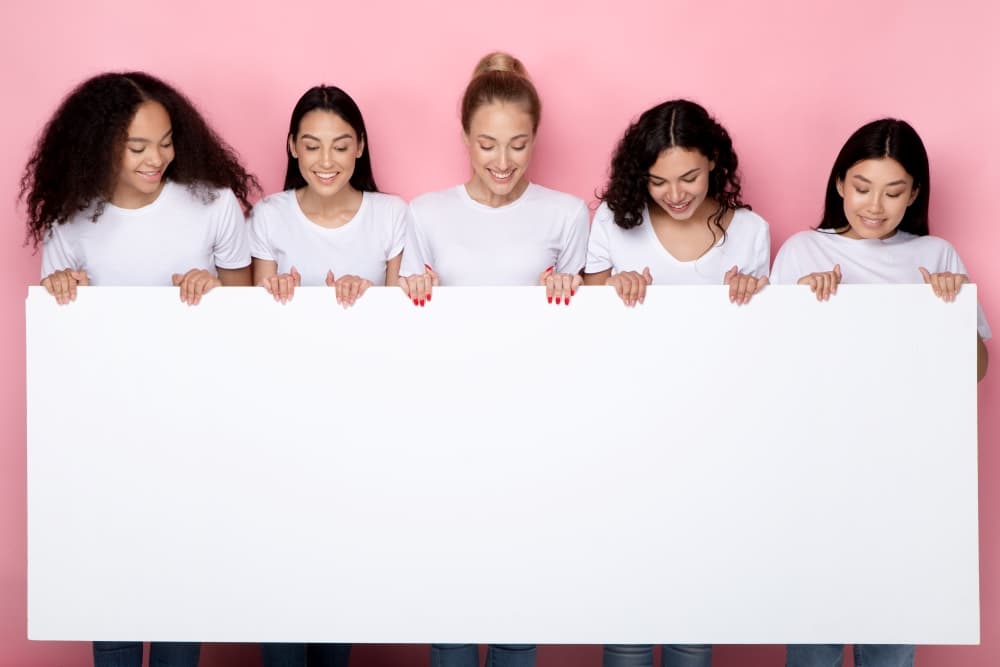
point(790, 81)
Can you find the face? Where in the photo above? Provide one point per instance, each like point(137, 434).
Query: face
point(678, 182)
point(148, 151)
point(327, 149)
point(876, 195)
point(500, 142)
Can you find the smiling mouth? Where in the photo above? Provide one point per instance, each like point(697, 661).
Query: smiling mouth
point(151, 176)
point(871, 222)
point(326, 176)
point(678, 207)
point(502, 176)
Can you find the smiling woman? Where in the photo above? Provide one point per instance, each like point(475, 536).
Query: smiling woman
point(165, 193)
point(498, 228)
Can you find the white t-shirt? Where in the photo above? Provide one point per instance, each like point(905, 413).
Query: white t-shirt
point(281, 232)
point(896, 259)
point(746, 245)
point(143, 247)
point(468, 243)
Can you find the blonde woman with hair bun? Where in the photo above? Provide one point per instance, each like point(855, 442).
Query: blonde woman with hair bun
point(497, 228)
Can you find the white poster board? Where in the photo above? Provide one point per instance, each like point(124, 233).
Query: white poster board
point(491, 468)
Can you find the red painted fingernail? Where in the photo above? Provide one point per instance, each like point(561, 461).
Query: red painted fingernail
point(416, 302)
point(558, 300)
point(550, 299)
point(422, 302)
point(549, 269)
point(428, 297)
point(572, 292)
point(567, 301)
point(428, 267)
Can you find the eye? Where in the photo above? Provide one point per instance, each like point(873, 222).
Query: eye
point(167, 144)
point(137, 151)
point(689, 179)
point(656, 183)
point(340, 149)
point(311, 148)
point(520, 148)
point(486, 148)
point(860, 191)
point(894, 195)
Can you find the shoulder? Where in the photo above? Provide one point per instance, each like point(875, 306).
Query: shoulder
point(563, 200)
point(278, 201)
point(932, 250)
point(381, 202)
point(745, 219)
point(448, 198)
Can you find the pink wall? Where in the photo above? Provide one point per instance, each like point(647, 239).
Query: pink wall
point(789, 79)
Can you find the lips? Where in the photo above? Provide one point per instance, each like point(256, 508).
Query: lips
point(326, 177)
point(871, 222)
point(150, 176)
point(677, 208)
point(502, 176)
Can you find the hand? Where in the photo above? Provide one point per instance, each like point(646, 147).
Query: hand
point(945, 285)
point(823, 285)
point(348, 288)
point(62, 284)
point(559, 286)
point(742, 286)
point(631, 285)
point(282, 285)
point(418, 287)
point(194, 284)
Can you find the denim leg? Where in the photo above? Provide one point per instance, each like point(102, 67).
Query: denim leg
point(687, 655)
point(628, 655)
point(454, 655)
point(511, 655)
point(283, 655)
point(174, 654)
point(117, 654)
point(884, 655)
point(328, 655)
point(814, 655)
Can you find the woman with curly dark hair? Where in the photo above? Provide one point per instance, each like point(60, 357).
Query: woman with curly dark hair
point(129, 186)
point(122, 186)
point(672, 212)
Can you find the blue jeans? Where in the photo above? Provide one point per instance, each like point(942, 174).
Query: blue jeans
point(161, 654)
point(300, 655)
point(865, 655)
point(674, 655)
point(497, 655)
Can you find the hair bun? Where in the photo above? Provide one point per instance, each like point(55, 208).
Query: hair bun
point(499, 61)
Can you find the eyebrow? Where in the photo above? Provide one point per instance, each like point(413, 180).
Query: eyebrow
point(862, 178)
point(143, 140)
point(346, 135)
point(486, 136)
point(690, 172)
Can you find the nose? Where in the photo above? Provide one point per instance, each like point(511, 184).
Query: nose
point(674, 192)
point(156, 158)
point(875, 202)
point(503, 161)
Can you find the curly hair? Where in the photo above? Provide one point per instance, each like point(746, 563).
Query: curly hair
point(884, 138)
point(681, 124)
point(76, 159)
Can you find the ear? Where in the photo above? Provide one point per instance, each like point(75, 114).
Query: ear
point(711, 166)
point(361, 148)
point(840, 187)
point(291, 147)
point(913, 196)
point(466, 139)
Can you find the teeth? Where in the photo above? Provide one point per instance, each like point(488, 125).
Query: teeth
point(502, 174)
point(326, 176)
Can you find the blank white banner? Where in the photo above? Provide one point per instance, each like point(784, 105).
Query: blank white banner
point(491, 468)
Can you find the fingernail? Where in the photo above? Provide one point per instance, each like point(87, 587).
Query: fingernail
point(558, 300)
point(550, 299)
point(416, 302)
point(567, 301)
point(572, 292)
point(422, 302)
point(428, 267)
point(428, 297)
point(549, 269)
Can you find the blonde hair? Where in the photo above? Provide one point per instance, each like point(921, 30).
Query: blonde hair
point(500, 77)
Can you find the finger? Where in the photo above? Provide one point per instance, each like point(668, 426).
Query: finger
point(350, 291)
point(836, 277)
point(647, 275)
point(331, 280)
point(730, 274)
point(616, 282)
point(404, 284)
point(758, 285)
point(734, 285)
point(176, 279)
point(742, 285)
point(434, 276)
point(643, 283)
point(284, 283)
point(549, 283)
point(296, 277)
point(80, 277)
point(356, 290)
point(363, 287)
point(950, 286)
point(925, 273)
point(631, 288)
point(542, 276)
point(566, 286)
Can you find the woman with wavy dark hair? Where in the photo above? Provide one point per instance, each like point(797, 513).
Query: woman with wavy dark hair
point(121, 186)
point(129, 186)
point(330, 225)
point(672, 212)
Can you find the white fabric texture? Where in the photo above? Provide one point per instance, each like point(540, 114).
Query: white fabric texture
point(143, 247)
point(895, 260)
point(281, 232)
point(468, 243)
point(747, 245)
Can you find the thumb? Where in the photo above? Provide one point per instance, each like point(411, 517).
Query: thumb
point(330, 280)
point(926, 274)
point(80, 277)
point(435, 281)
point(176, 279)
point(647, 275)
point(836, 271)
point(730, 274)
point(296, 276)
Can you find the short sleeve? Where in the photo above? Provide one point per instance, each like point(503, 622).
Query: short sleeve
point(952, 263)
point(56, 253)
point(598, 247)
point(573, 254)
point(415, 252)
point(232, 246)
point(761, 252)
point(260, 238)
point(399, 225)
point(786, 269)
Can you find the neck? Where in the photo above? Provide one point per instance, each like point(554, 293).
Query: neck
point(482, 194)
point(132, 199)
point(345, 200)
